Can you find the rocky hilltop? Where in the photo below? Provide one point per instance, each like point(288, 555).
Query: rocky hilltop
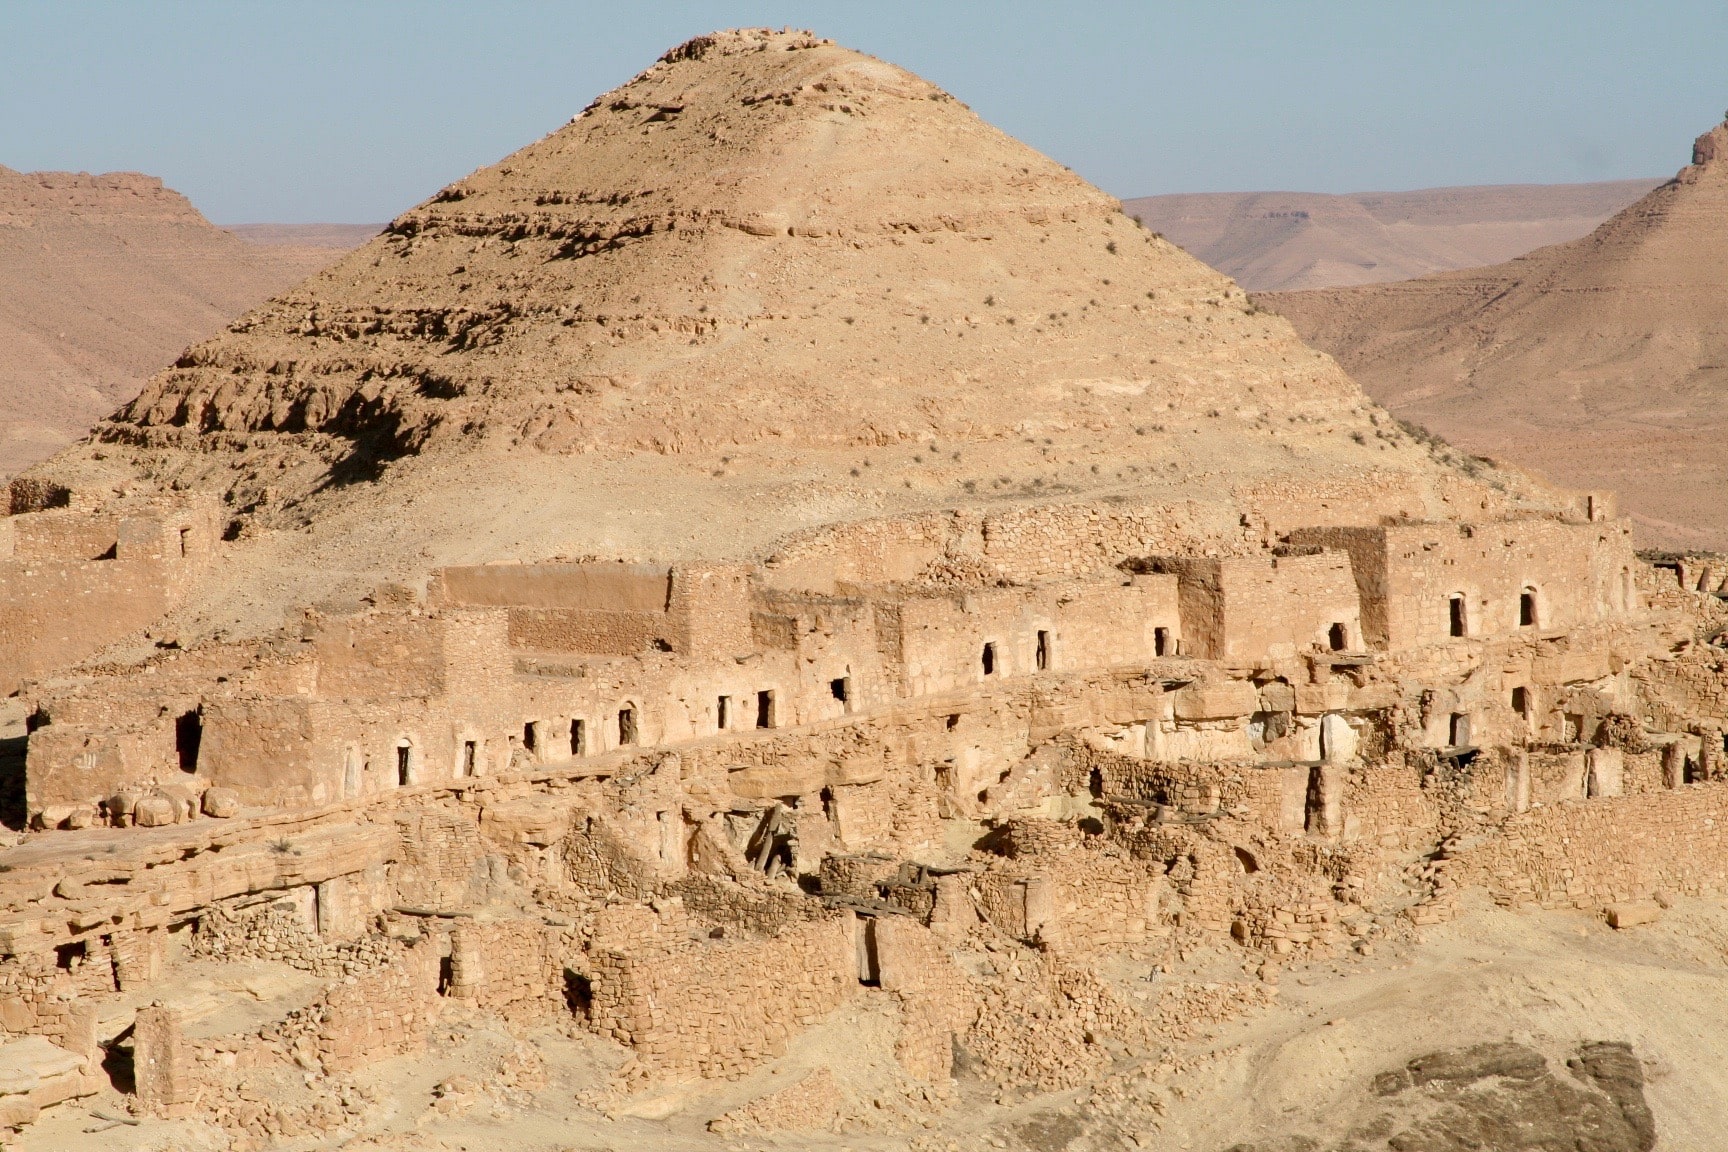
point(103, 279)
point(766, 285)
point(1281, 241)
point(1601, 362)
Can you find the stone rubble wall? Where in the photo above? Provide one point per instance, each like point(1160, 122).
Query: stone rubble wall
point(1591, 853)
point(509, 966)
point(719, 1008)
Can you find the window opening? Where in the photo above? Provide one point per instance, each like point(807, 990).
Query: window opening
point(1161, 641)
point(1457, 617)
point(841, 687)
point(188, 735)
point(723, 713)
point(989, 659)
point(531, 736)
point(765, 709)
point(578, 737)
point(626, 725)
point(1459, 730)
point(403, 753)
point(1527, 608)
point(1042, 656)
point(1572, 728)
point(184, 532)
point(470, 757)
point(953, 721)
point(1337, 638)
point(1314, 803)
point(1521, 702)
point(869, 971)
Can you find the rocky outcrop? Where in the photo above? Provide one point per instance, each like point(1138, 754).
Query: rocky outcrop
point(1504, 1096)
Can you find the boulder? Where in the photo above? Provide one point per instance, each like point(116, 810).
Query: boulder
point(1633, 913)
point(156, 811)
point(221, 802)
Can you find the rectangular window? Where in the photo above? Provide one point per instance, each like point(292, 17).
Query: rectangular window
point(1521, 702)
point(531, 736)
point(1456, 621)
point(765, 709)
point(989, 659)
point(1527, 609)
point(1459, 730)
point(841, 687)
point(403, 753)
point(723, 713)
point(626, 725)
point(1161, 642)
point(470, 758)
point(1042, 655)
point(578, 737)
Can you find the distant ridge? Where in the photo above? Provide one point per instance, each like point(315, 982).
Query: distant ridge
point(1269, 241)
point(1602, 362)
point(340, 237)
point(103, 279)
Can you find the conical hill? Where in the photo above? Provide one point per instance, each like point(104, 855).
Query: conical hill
point(770, 284)
point(1603, 361)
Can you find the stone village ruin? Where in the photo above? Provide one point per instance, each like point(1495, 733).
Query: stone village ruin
point(948, 759)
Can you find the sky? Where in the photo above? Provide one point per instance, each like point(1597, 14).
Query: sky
point(354, 111)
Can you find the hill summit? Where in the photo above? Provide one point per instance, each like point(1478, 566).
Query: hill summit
point(1602, 361)
point(768, 284)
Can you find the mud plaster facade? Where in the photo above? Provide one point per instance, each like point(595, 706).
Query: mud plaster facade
point(696, 810)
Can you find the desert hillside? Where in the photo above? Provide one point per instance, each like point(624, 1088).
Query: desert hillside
point(1600, 362)
point(748, 293)
point(1273, 241)
point(103, 279)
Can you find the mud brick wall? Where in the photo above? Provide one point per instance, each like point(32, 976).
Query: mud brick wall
point(763, 910)
point(1075, 539)
point(588, 630)
point(1588, 853)
point(56, 612)
point(718, 1009)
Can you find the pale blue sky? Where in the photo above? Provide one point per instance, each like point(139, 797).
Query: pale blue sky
point(353, 111)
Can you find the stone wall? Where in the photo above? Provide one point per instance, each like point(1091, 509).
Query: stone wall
point(719, 1008)
point(1590, 853)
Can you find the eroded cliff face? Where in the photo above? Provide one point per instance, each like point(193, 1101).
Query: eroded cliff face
point(1598, 361)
